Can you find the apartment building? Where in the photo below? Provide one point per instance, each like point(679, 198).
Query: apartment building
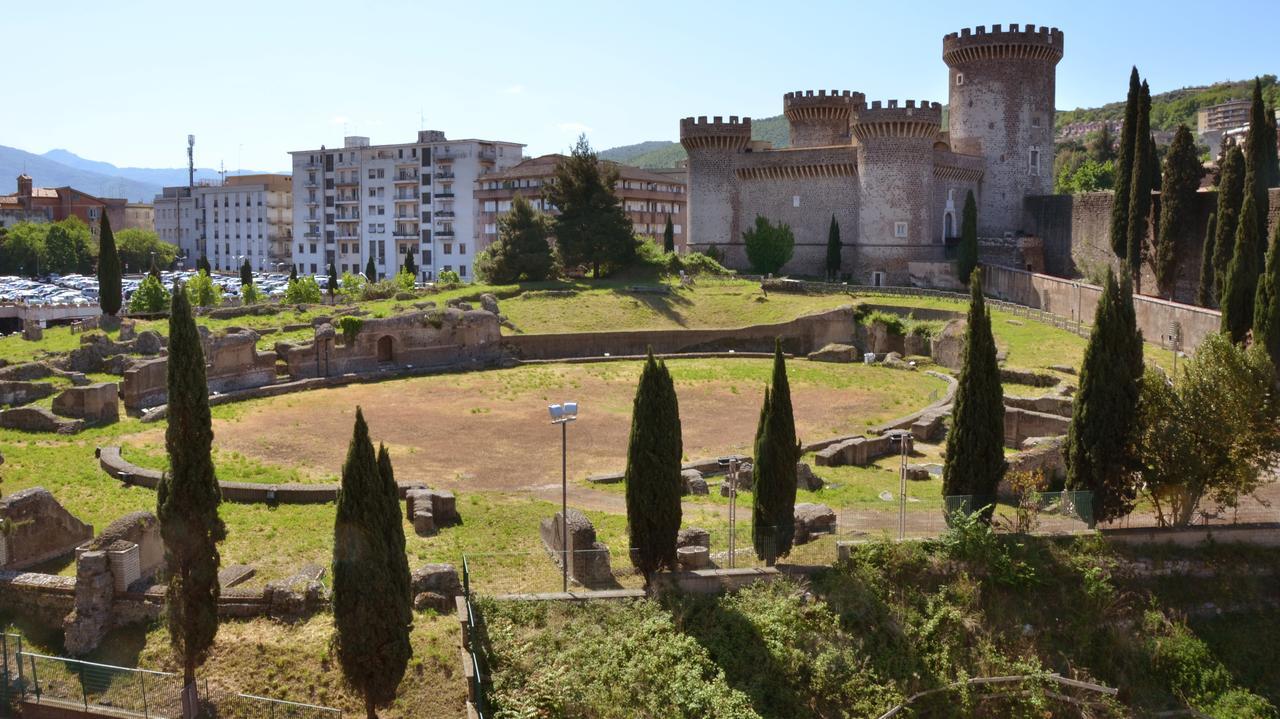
point(244, 217)
point(648, 197)
point(366, 201)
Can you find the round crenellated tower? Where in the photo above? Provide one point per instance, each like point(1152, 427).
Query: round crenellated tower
point(820, 119)
point(712, 146)
point(895, 177)
point(1002, 85)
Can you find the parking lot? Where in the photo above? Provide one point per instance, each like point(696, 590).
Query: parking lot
point(80, 290)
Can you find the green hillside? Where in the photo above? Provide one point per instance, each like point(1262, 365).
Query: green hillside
point(1168, 110)
point(1176, 107)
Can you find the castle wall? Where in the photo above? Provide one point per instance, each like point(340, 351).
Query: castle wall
point(713, 198)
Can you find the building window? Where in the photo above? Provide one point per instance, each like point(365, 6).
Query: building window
point(877, 279)
point(1035, 121)
point(899, 229)
point(448, 248)
point(1033, 162)
point(795, 200)
point(959, 78)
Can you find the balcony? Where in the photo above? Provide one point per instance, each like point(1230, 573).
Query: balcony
point(348, 238)
point(311, 184)
point(404, 233)
point(444, 213)
point(444, 175)
point(352, 182)
point(311, 235)
point(444, 233)
point(405, 198)
point(406, 177)
point(445, 195)
point(348, 218)
point(347, 199)
point(487, 154)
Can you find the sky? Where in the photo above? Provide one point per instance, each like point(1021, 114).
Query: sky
point(125, 82)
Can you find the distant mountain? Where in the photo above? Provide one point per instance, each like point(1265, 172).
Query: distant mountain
point(151, 175)
point(1178, 107)
point(50, 173)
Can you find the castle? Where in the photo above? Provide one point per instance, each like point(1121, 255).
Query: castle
point(892, 177)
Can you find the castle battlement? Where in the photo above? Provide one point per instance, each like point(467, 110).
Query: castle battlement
point(891, 118)
point(1028, 43)
point(700, 133)
point(820, 105)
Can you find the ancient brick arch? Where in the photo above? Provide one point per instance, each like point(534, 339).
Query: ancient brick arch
point(386, 348)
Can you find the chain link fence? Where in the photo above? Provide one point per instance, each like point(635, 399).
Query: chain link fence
point(102, 688)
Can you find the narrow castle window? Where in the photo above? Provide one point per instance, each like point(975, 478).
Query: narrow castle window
point(1034, 161)
point(959, 78)
point(795, 200)
point(899, 229)
point(1035, 121)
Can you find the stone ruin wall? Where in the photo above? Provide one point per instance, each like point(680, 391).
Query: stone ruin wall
point(40, 529)
point(232, 362)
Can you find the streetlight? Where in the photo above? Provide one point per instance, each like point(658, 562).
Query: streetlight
point(902, 438)
point(563, 414)
point(731, 476)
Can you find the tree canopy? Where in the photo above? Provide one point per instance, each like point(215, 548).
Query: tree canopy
point(653, 480)
point(522, 251)
point(769, 246)
point(592, 230)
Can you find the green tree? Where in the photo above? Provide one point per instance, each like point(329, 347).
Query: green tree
point(1182, 173)
point(653, 471)
point(967, 255)
point(138, 248)
point(1266, 305)
point(250, 294)
point(974, 459)
point(669, 237)
point(1272, 152)
point(67, 247)
point(333, 280)
point(22, 250)
point(1099, 450)
point(1205, 291)
point(202, 265)
point(1089, 176)
point(203, 291)
point(1259, 146)
point(303, 291)
point(1102, 146)
point(1140, 185)
point(293, 272)
point(522, 250)
point(410, 265)
point(769, 246)
point(1230, 199)
point(774, 472)
point(1124, 168)
point(110, 284)
point(834, 250)
point(591, 230)
point(187, 500)
point(371, 603)
point(151, 296)
point(246, 273)
point(370, 270)
point(1211, 434)
point(1240, 288)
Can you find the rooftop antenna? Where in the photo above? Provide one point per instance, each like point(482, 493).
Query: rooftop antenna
point(222, 172)
point(191, 163)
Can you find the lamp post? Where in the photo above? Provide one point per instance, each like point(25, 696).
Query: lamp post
point(902, 439)
point(563, 414)
point(731, 476)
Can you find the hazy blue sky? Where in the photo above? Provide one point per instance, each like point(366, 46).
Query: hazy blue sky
point(125, 82)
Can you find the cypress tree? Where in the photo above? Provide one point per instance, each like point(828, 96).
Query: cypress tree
point(1266, 305)
point(371, 603)
point(333, 280)
point(974, 459)
point(834, 250)
point(1241, 285)
point(774, 473)
point(1181, 180)
point(1099, 450)
point(669, 237)
point(1205, 292)
point(967, 258)
point(1230, 199)
point(246, 273)
point(187, 501)
point(110, 284)
point(410, 265)
point(202, 265)
point(1140, 185)
point(1272, 152)
point(653, 471)
point(393, 525)
point(1124, 169)
point(293, 273)
point(370, 271)
point(1256, 166)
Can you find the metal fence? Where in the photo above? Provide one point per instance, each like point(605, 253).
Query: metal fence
point(249, 705)
point(926, 517)
point(118, 691)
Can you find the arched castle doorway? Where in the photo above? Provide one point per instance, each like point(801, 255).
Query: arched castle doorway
point(948, 226)
point(386, 349)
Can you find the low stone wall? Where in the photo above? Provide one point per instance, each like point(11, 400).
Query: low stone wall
point(1077, 301)
point(232, 362)
point(41, 529)
point(1020, 424)
point(1259, 535)
point(799, 336)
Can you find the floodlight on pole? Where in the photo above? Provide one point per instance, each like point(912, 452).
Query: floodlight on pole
point(563, 414)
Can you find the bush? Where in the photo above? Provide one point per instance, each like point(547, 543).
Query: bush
point(303, 291)
point(405, 282)
point(352, 286)
point(769, 246)
point(448, 277)
point(698, 263)
point(648, 253)
point(894, 323)
point(350, 327)
point(203, 291)
point(924, 328)
point(250, 294)
point(380, 290)
point(151, 296)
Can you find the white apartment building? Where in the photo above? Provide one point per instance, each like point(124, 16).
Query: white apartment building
point(246, 217)
point(383, 201)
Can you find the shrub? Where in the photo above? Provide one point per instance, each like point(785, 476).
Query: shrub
point(380, 290)
point(350, 327)
point(250, 294)
point(151, 296)
point(203, 291)
point(924, 328)
point(892, 322)
point(406, 282)
point(769, 246)
point(352, 286)
point(448, 277)
point(303, 291)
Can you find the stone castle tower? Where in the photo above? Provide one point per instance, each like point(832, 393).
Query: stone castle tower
point(886, 170)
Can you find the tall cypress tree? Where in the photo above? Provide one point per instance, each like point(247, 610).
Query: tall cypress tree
point(1272, 151)
point(1182, 173)
point(1256, 158)
point(1241, 286)
point(187, 501)
point(1124, 168)
point(370, 270)
point(1099, 449)
point(1205, 292)
point(393, 527)
point(974, 460)
point(202, 264)
point(293, 272)
point(333, 280)
point(1266, 306)
point(410, 265)
point(653, 471)
point(669, 236)
point(774, 472)
point(110, 283)
point(1140, 185)
point(967, 258)
point(834, 250)
point(1230, 199)
point(371, 603)
point(246, 273)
